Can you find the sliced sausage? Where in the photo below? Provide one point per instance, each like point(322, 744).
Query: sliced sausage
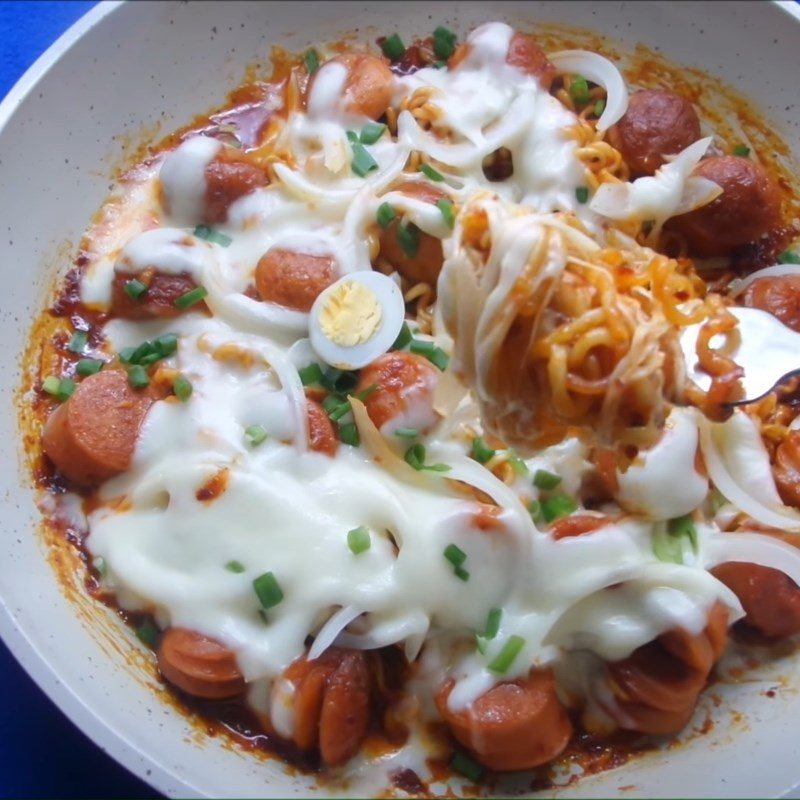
point(321, 433)
point(331, 703)
point(91, 437)
point(158, 302)
point(200, 666)
point(786, 469)
point(516, 725)
point(294, 280)
point(780, 295)
point(657, 123)
point(368, 87)
point(404, 386)
point(748, 207)
point(425, 265)
point(576, 525)
point(229, 176)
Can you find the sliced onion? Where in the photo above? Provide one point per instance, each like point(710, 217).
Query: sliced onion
point(601, 71)
point(753, 548)
point(738, 286)
point(697, 192)
point(412, 628)
point(331, 629)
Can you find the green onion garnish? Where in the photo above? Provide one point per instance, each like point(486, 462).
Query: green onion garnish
point(371, 132)
point(51, 385)
point(434, 354)
point(668, 542)
point(358, 540)
point(599, 107)
point(212, 235)
point(505, 658)
point(415, 457)
point(148, 633)
point(352, 137)
point(406, 433)
point(461, 574)
point(339, 380)
point(78, 341)
point(403, 338)
point(493, 623)
point(582, 194)
point(559, 505)
point(166, 344)
point(430, 172)
point(134, 288)
point(310, 375)
point(137, 376)
point(385, 215)
point(444, 43)
point(741, 150)
point(464, 765)
point(311, 60)
point(191, 297)
point(535, 510)
point(542, 479)
point(579, 89)
point(408, 236)
point(182, 387)
point(255, 435)
point(789, 257)
point(267, 590)
point(336, 406)
point(481, 452)
point(365, 393)
point(88, 366)
point(393, 47)
point(362, 162)
point(349, 434)
point(445, 206)
point(455, 555)
point(235, 566)
point(517, 464)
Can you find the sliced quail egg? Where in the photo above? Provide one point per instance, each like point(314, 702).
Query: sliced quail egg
point(356, 319)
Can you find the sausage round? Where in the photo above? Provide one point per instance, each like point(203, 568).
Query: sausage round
point(657, 123)
point(426, 264)
point(368, 88)
point(405, 383)
point(786, 469)
point(200, 666)
point(748, 207)
point(321, 433)
point(91, 437)
point(159, 299)
point(229, 176)
point(516, 725)
point(780, 295)
point(294, 280)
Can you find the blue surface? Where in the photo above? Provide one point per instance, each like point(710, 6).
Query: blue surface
point(42, 754)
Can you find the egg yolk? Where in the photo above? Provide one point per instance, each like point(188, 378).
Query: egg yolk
point(351, 315)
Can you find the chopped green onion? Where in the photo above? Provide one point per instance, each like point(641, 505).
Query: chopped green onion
point(212, 235)
point(464, 765)
point(741, 150)
point(505, 658)
point(166, 344)
point(406, 433)
point(430, 172)
point(481, 643)
point(310, 375)
point(517, 464)
point(267, 590)
point(255, 435)
point(408, 236)
point(138, 377)
point(78, 341)
point(481, 452)
point(385, 215)
point(66, 387)
point(358, 540)
point(89, 366)
point(415, 457)
point(461, 574)
point(134, 288)
point(126, 353)
point(559, 505)
point(439, 64)
point(684, 527)
point(144, 350)
point(455, 555)
point(352, 137)
point(789, 257)
point(312, 60)
point(365, 393)
point(579, 89)
point(148, 633)
point(371, 132)
point(339, 380)
point(543, 479)
point(535, 510)
point(336, 406)
point(493, 623)
point(191, 297)
point(599, 107)
point(235, 566)
point(403, 338)
point(393, 47)
point(445, 206)
point(582, 194)
point(51, 385)
point(437, 467)
point(349, 434)
point(434, 354)
point(182, 387)
point(362, 162)
point(444, 43)
point(668, 541)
